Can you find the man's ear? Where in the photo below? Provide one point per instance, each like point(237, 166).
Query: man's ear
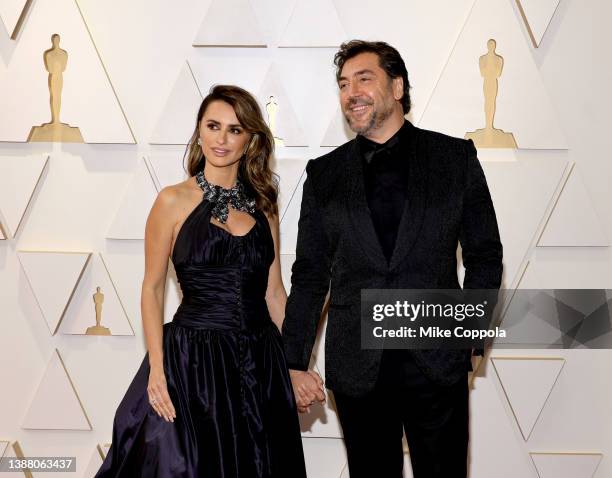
point(398, 87)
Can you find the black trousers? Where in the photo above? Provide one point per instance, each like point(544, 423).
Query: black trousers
point(435, 420)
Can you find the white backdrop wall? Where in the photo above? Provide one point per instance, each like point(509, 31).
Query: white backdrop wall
point(72, 214)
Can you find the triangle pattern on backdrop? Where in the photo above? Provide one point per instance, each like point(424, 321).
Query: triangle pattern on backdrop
point(499, 441)
point(287, 261)
point(177, 120)
point(4, 444)
point(325, 457)
point(131, 216)
point(209, 71)
point(573, 221)
point(276, 107)
point(103, 449)
point(53, 277)
point(230, 23)
point(527, 383)
point(566, 465)
point(529, 325)
point(56, 404)
point(95, 462)
point(289, 219)
point(13, 13)
point(81, 313)
point(88, 100)
point(522, 196)
point(19, 177)
point(97, 457)
point(338, 132)
point(537, 15)
point(523, 107)
point(166, 169)
point(302, 32)
point(13, 450)
point(290, 172)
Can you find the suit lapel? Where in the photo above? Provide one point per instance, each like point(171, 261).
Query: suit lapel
point(358, 210)
point(412, 215)
point(414, 208)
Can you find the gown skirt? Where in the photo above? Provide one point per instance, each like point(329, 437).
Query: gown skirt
point(225, 370)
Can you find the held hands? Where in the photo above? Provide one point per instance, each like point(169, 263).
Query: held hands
point(308, 388)
point(158, 394)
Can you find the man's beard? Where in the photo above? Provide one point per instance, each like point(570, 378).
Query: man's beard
point(377, 118)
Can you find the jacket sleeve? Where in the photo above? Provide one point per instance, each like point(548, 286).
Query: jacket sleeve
point(479, 235)
point(310, 276)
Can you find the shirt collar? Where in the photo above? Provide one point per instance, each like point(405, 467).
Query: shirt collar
point(369, 148)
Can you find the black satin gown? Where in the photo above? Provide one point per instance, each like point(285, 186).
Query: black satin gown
point(225, 369)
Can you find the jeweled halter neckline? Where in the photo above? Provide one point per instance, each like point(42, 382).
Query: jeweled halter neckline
point(222, 198)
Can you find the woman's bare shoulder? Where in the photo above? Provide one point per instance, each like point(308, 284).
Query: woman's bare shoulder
point(172, 202)
point(177, 194)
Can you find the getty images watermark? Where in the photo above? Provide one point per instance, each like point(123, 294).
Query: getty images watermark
point(412, 312)
point(464, 319)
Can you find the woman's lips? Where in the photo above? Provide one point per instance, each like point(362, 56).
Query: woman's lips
point(220, 151)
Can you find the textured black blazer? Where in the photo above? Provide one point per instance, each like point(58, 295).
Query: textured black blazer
point(448, 202)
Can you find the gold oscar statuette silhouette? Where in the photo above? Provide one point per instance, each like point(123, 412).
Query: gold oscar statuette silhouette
point(491, 66)
point(272, 110)
point(55, 62)
point(98, 329)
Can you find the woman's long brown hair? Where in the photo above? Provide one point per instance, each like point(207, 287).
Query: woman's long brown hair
point(254, 169)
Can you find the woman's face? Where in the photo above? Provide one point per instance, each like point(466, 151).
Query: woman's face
point(222, 137)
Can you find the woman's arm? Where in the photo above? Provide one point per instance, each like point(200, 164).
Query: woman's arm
point(276, 296)
point(158, 241)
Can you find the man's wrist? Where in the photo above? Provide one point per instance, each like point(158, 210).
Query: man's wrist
point(297, 366)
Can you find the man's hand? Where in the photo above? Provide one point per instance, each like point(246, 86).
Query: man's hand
point(307, 388)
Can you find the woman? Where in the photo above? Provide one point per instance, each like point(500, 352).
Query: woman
point(213, 396)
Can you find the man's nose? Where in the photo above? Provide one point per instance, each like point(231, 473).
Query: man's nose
point(354, 89)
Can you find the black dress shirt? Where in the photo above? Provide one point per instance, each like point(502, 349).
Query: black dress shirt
point(385, 173)
point(385, 168)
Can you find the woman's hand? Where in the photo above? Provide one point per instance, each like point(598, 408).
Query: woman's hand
point(158, 394)
point(307, 388)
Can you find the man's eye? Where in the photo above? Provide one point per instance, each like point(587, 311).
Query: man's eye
point(342, 85)
point(365, 79)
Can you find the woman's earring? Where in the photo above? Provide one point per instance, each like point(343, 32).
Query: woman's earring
point(199, 142)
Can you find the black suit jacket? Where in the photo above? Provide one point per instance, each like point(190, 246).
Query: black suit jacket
point(448, 202)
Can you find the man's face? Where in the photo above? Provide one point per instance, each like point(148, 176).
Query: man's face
point(366, 93)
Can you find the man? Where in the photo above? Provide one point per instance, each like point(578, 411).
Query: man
point(387, 210)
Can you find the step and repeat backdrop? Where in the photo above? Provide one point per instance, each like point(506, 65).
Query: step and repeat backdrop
point(97, 103)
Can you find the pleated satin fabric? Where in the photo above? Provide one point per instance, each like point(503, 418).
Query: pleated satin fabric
point(225, 369)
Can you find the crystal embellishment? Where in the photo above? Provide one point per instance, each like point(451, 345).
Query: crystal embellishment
point(222, 198)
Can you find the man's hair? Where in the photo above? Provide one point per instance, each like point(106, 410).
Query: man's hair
point(389, 60)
